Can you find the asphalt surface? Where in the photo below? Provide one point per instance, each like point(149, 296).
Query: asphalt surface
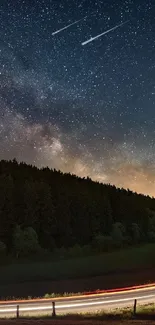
point(79, 304)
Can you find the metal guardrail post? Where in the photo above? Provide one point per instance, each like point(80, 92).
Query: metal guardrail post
point(53, 310)
point(134, 307)
point(17, 312)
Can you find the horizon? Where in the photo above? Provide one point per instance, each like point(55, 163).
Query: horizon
point(85, 177)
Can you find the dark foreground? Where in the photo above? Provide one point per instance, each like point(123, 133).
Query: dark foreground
point(140, 319)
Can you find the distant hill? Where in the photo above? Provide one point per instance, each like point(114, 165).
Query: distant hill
point(63, 210)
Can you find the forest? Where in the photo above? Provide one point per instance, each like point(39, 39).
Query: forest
point(44, 211)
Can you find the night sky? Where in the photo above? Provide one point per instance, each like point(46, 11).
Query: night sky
point(85, 109)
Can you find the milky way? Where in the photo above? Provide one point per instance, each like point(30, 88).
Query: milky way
point(88, 110)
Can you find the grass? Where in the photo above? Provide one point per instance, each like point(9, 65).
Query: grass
point(127, 267)
point(128, 259)
point(46, 296)
point(146, 311)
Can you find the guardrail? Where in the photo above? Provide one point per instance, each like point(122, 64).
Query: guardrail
point(16, 309)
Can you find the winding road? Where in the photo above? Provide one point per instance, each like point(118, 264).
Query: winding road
point(85, 303)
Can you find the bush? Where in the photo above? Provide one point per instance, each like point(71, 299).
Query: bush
point(60, 252)
point(25, 242)
point(117, 234)
point(151, 236)
point(75, 251)
point(3, 249)
point(102, 243)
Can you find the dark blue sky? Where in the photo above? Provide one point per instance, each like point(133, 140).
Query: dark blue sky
point(86, 109)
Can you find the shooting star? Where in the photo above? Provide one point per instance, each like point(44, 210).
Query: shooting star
point(107, 31)
point(75, 22)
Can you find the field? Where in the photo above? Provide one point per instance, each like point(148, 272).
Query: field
point(121, 268)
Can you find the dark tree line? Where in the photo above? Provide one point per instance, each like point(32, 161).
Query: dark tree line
point(51, 210)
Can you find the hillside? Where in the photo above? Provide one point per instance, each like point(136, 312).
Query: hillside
point(51, 210)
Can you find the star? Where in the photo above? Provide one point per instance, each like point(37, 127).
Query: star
point(87, 110)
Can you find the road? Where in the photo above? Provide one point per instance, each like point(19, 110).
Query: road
point(79, 304)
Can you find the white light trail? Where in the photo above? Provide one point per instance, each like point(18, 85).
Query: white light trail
point(66, 27)
point(107, 31)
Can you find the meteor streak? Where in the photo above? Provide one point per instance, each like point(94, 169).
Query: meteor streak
point(107, 31)
point(60, 30)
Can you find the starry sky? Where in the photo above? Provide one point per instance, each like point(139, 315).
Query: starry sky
point(85, 109)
